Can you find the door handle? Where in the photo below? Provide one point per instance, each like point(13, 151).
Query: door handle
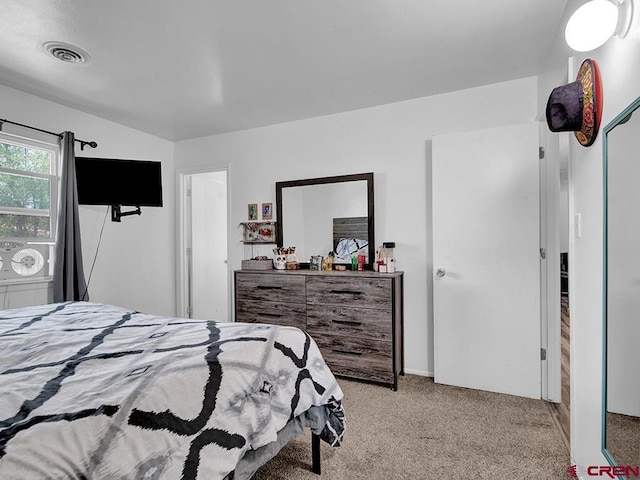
point(440, 272)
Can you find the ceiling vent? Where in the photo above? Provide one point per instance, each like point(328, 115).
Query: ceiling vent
point(66, 52)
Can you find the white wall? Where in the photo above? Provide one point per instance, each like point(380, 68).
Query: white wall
point(619, 63)
point(137, 249)
point(23, 294)
point(393, 141)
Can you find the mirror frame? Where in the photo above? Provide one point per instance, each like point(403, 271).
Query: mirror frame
point(368, 177)
point(621, 118)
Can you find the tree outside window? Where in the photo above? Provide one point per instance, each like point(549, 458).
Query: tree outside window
point(28, 189)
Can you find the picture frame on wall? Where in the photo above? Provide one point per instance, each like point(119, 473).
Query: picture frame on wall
point(267, 211)
point(252, 211)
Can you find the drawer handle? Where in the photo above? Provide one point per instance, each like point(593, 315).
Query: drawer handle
point(266, 314)
point(348, 352)
point(268, 287)
point(347, 322)
point(352, 292)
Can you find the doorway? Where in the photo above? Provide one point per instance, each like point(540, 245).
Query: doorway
point(554, 241)
point(562, 408)
point(203, 277)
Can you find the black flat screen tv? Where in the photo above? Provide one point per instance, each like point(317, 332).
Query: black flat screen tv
point(110, 181)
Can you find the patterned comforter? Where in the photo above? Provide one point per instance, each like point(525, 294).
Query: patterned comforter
point(100, 392)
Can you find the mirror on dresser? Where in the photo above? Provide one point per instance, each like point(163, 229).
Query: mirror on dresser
point(319, 215)
point(621, 389)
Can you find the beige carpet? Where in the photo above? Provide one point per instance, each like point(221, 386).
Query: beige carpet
point(623, 438)
point(430, 431)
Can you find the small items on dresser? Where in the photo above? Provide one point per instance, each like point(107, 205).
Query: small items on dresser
point(280, 262)
point(293, 265)
point(285, 258)
point(257, 263)
point(316, 262)
point(357, 262)
point(327, 262)
point(385, 261)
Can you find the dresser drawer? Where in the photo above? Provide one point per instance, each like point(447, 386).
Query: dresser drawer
point(270, 287)
point(350, 291)
point(287, 314)
point(358, 358)
point(347, 321)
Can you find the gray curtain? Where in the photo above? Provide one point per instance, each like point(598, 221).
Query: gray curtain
point(68, 272)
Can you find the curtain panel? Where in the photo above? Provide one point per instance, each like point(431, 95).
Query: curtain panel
point(68, 271)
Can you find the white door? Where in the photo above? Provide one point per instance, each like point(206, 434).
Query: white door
point(209, 291)
point(486, 293)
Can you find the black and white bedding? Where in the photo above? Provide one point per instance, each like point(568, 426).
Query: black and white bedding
point(96, 391)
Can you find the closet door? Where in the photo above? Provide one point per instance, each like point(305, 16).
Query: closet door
point(486, 260)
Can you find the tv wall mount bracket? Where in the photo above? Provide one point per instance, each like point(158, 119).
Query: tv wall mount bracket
point(117, 213)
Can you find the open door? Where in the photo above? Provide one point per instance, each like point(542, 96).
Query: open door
point(486, 257)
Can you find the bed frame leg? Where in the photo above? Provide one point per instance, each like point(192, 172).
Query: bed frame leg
point(315, 453)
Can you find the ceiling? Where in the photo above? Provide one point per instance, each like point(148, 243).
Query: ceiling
point(182, 70)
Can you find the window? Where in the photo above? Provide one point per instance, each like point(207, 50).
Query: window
point(28, 189)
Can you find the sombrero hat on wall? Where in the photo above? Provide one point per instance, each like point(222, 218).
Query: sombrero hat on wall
point(577, 106)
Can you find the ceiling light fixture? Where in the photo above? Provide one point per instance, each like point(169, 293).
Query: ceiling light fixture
point(66, 52)
point(596, 21)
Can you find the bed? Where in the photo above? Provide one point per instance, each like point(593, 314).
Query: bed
point(96, 391)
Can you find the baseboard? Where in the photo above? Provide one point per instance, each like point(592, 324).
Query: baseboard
point(418, 372)
point(555, 416)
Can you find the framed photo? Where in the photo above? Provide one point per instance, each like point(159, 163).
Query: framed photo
point(267, 211)
point(252, 211)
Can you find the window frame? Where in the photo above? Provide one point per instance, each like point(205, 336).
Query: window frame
point(54, 185)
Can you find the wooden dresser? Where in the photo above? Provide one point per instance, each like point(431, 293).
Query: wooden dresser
point(356, 318)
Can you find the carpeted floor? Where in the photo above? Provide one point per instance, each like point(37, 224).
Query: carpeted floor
point(430, 431)
point(623, 438)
